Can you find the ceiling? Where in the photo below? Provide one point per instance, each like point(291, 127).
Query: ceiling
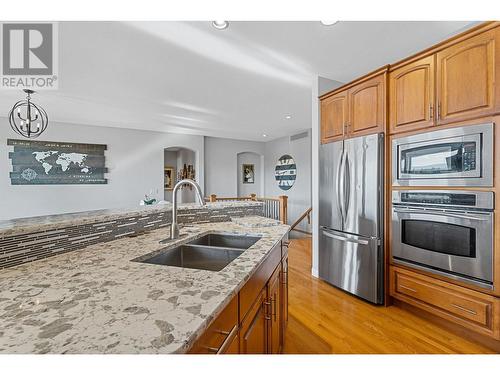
point(241, 82)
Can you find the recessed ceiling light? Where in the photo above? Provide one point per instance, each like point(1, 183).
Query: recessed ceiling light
point(328, 23)
point(220, 25)
point(288, 117)
point(264, 135)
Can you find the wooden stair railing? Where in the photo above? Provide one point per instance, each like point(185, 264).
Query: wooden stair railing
point(307, 214)
point(274, 208)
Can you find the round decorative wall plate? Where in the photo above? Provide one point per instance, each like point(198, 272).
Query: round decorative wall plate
point(285, 172)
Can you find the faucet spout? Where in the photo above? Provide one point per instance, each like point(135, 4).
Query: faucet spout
point(174, 228)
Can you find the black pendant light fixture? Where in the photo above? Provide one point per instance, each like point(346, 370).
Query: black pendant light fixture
point(28, 119)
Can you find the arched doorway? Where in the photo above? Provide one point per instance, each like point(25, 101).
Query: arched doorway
point(176, 160)
point(250, 174)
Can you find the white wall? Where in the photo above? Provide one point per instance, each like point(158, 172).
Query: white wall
point(134, 159)
point(221, 164)
point(299, 196)
point(244, 190)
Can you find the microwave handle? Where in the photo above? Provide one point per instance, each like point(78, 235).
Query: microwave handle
point(439, 214)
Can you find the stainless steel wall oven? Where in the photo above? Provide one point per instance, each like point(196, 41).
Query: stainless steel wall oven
point(450, 157)
point(445, 232)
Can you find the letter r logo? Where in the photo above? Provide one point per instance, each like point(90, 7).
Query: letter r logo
point(27, 49)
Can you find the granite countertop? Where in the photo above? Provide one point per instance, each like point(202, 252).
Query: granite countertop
point(39, 223)
point(96, 300)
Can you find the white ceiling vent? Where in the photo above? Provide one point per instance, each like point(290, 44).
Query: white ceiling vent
point(296, 137)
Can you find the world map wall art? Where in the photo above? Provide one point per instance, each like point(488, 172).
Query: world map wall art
point(56, 163)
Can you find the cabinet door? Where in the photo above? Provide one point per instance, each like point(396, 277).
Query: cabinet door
point(284, 297)
point(253, 332)
point(233, 346)
point(284, 286)
point(333, 117)
point(412, 96)
point(367, 107)
point(275, 323)
point(466, 78)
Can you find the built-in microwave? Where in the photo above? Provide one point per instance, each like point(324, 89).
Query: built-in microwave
point(451, 157)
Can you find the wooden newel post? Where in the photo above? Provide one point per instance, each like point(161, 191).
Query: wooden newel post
point(253, 197)
point(213, 198)
point(283, 209)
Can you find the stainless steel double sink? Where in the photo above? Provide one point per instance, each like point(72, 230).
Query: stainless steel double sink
point(211, 252)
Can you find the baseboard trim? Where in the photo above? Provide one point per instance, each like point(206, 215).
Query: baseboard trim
point(314, 272)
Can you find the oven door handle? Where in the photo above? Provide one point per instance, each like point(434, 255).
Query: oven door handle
point(457, 216)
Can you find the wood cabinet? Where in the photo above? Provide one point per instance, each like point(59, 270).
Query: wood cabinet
point(254, 328)
point(477, 311)
point(284, 286)
point(367, 107)
point(262, 329)
point(334, 117)
point(275, 318)
point(253, 322)
point(359, 109)
point(466, 78)
point(454, 84)
point(411, 96)
point(222, 334)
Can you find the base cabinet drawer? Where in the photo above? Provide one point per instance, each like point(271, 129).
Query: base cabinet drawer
point(222, 334)
point(469, 308)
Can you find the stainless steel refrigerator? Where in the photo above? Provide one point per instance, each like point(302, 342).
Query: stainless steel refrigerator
point(351, 212)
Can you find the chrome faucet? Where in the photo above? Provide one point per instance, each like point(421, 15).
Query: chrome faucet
point(174, 228)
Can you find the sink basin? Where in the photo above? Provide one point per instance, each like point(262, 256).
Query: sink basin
point(234, 241)
point(195, 256)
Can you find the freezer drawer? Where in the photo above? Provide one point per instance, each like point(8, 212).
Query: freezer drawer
point(352, 263)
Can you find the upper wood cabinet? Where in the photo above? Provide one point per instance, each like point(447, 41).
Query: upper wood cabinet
point(466, 78)
point(367, 110)
point(454, 81)
point(411, 96)
point(359, 109)
point(333, 117)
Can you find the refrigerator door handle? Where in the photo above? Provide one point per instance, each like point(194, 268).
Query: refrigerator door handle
point(345, 239)
point(340, 185)
point(347, 189)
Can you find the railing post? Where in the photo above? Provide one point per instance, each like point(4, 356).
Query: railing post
point(283, 209)
point(213, 198)
point(253, 197)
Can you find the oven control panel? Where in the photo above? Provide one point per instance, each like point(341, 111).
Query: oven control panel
point(455, 198)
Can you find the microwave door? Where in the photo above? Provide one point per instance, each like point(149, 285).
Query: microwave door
point(450, 157)
point(330, 190)
point(363, 188)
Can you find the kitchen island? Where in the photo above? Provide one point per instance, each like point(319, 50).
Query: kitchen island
point(98, 300)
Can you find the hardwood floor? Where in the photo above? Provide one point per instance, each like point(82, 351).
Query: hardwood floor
point(323, 319)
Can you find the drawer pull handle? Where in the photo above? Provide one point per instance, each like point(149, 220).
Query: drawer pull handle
point(464, 309)
point(405, 287)
point(226, 342)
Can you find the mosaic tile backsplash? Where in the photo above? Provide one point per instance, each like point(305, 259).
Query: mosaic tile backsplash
point(22, 248)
